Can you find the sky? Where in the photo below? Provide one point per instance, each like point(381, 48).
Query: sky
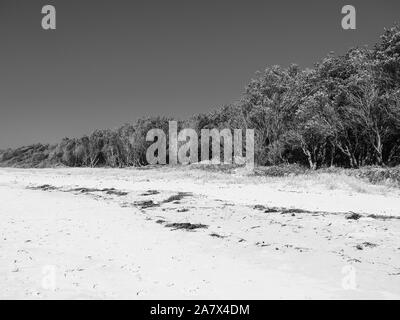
point(110, 62)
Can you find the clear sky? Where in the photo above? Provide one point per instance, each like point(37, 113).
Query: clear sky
point(112, 61)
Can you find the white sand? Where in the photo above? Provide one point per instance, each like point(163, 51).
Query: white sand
point(60, 244)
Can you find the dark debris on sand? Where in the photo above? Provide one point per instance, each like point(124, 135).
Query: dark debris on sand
point(150, 193)
point(349, 216)
point(353, 216)
point(216, 235)
point(280, 210)
point(109, 191)
point(178, 197)
point(146, 204)
point(185, 226)
point(45, 187)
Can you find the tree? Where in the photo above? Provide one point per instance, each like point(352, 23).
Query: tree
point(386, 57)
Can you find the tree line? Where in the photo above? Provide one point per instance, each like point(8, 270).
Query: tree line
point(343, 112)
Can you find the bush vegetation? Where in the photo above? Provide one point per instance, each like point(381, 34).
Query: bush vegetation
point(344, 112)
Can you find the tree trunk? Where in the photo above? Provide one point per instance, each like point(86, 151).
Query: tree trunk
point(313, 165)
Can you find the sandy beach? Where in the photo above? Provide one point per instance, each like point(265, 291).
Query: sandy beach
point(183, 233)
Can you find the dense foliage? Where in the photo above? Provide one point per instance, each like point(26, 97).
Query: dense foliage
point(343, 112)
